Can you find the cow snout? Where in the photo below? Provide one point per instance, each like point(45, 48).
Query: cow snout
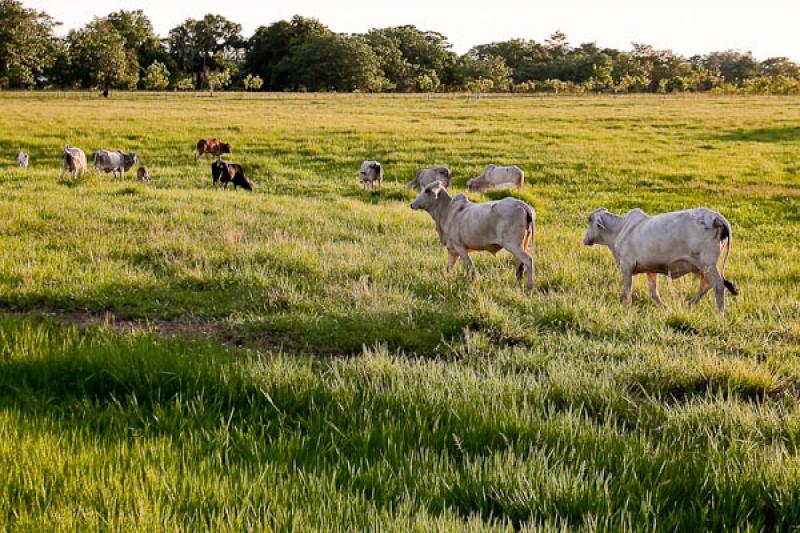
point(588, 241)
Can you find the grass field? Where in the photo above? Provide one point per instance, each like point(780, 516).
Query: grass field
point(174, 357)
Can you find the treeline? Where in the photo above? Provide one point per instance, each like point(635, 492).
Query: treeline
point(122, 50)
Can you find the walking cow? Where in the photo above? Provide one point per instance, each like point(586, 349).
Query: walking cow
point(74, 162)
point(675, 244)
point(465, 227)
point(115, 162)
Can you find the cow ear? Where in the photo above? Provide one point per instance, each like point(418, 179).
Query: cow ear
point(600, 222)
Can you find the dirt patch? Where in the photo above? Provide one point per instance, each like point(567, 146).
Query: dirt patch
point(164, 328)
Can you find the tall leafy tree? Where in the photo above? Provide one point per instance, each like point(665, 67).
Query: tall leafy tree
point(332, 62)
point(271, 45)
point(406, 53)
point(212, 43)
point(28, 47)
point(100, 58)
point(141, 39)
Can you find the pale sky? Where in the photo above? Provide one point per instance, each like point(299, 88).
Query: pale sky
point(766, 27)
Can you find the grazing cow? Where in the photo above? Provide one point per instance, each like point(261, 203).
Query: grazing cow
point(213, 147)
point(371, 172)
point(426, 176)
point(23, 160)
point(497, 177)
point(116, 162)
point(143, 175)
point(74, 162)
point(222, 172)
point(675, 244)
point(465, 227)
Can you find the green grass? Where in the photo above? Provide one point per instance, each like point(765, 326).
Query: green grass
point(349, 384)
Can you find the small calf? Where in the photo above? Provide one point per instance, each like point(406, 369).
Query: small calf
point(143, 174)
point(23, 160)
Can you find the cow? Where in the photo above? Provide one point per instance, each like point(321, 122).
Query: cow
point(213, 147)
point(497, 177)
point(74, 162)
point(222, 172)
point(23, 160)
point(115, 162)
point(143, 175)
point(426, 176)
point(674, 244)
point(464, 227)
point(371, 172)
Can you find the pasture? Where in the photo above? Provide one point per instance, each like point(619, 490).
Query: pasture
point(175, 357)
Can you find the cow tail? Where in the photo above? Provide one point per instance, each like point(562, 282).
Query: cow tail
point(726, 236)
point(529, 219)
point(94, 159)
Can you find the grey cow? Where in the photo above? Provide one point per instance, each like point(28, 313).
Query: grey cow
point(370, 173)
point(497, 177)
point(426, 176)
point(74, 161)
point(465, 227)
point(675, 244)
point(23, 160)
point(116, 162)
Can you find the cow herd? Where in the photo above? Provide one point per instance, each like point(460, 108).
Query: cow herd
point(673, 244)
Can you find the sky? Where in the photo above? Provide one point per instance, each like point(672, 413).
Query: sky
point(766, 27)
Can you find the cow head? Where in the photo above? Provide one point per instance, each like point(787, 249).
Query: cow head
point(218, 170)
point(428, 195)
point(598, 227)
point(129, 160)
point(475, 184)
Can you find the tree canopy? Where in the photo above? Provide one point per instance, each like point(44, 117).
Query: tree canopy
point(122, 50)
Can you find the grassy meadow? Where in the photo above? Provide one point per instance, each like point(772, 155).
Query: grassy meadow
point(175, 357)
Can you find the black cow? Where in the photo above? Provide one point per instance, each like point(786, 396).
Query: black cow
point(222, 172)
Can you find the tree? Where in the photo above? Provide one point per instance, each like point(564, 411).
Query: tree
point(201, 46)
point(518, 54)
point(28, 47)
point(156, 77)
point(141, 39)
point(734, 66)
point(218, 79)
point(492, 68)
point(253, 83)
point(332, 62)
point(405, 53)
point(271, 45)
point(100, 58)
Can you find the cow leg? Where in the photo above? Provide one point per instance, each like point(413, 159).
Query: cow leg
point(704, 286)
point(464, 255)
point(525, 261)
point(452, 258)
point(627, 286)
point(719, 288)
point(652, 282)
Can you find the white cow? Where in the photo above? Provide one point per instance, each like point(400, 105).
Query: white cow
point(675, 244)
point(465, 227)
point(496, 177)
point(74, 161)
point(23, 160)
point(116, 162)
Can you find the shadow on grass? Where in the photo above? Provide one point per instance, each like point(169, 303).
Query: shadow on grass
point(344, 414)
point(764, 135)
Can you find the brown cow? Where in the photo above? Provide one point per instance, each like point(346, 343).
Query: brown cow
point(143, 174)
point(213, 147)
